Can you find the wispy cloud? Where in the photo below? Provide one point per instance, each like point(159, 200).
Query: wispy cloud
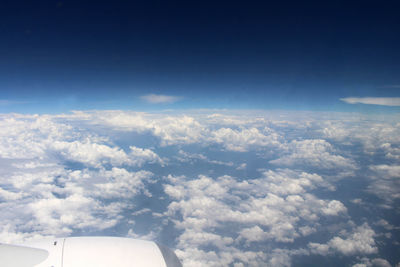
point(382, 101)
point(391, 86)
point(160, 99)
point(6, 102)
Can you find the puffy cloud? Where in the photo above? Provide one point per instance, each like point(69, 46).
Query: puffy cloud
point(27, 136)
point(115, 119)
point(385, 182)
point(334, 208)
point(121, 183)
point(6, 195)
point(387, 171)
point(373, 134)
point(383, 101)
point(276, 207)
point(316, 153)
point(361, 241)
point(97, 155)
point(59, 214)
point(376, 137)
point(377, 262)
point(391, 151)
point(139, 156)
point(253, 234)
point(57, 202)
point(100, 171)
point(244, 139)
point(178, 129)
point(91, 153)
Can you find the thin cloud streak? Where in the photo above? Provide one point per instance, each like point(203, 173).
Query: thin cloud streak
point(382, 101)
point(160, 99)
point(391, 86)
point(6, 102)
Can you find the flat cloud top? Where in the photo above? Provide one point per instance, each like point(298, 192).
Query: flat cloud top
point(160, 99)
point(382, 101)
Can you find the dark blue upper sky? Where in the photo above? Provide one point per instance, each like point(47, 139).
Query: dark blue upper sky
point(63, 55)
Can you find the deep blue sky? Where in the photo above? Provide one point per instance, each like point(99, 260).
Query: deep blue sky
point(63, 55)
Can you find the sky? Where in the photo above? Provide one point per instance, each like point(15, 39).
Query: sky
point(235, 133)
point(63, 55)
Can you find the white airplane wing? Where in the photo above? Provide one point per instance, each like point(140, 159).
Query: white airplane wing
point(19, 256)
point(88, 252)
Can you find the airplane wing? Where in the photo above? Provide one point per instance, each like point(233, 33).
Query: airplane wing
point(19, 256)
point(88, 252)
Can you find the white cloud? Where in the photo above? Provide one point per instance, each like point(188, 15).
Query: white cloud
point(360, 241)
point(253, 234)
point(59, 215)
point(244, 139)
point(386, 225)
point(121, 183)
point(185, 129)
point(191, 157)
point(316, 153)
point(376, 262)
point(387, 171)
point(6, 195)
point(138, 156)
point(391, 151)
point(383, 101)
point(160, 99)
point(375, 134)
point(90, 153)
point(242, 166)
point(90, 171)
point(273, 208)
point(385, 182)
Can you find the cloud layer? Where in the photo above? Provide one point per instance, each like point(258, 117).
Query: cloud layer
point(223, 189)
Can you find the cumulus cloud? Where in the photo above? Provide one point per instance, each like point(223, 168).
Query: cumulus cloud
point(244, 139)
point(376, 262)
point(385, 182)
point(374, 134)
point(189, 129)
point(361, 241)
point(316, 153)
point(121, 183)
point(42, 196)
point(382, 101)
point(387, 171)
point(103, 171)
point(275, 207)
point(160, 99)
